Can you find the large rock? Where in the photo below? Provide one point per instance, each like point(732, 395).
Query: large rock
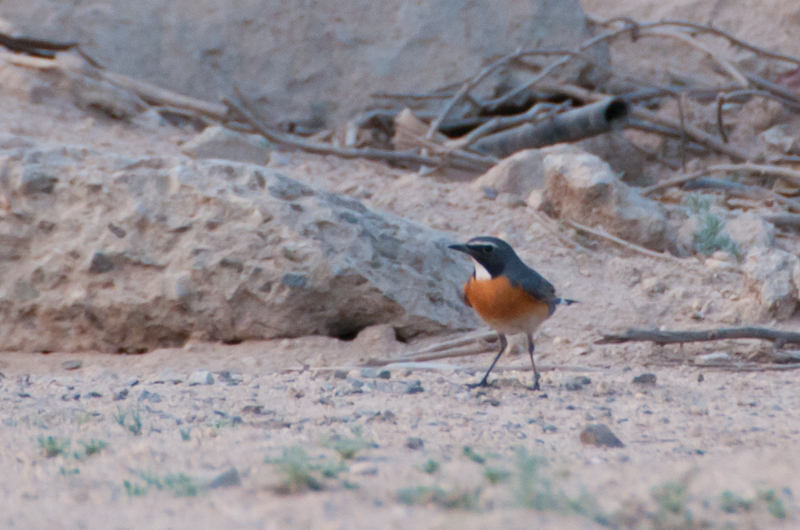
point(131, 254)
point(583, 188)
point(519, 174)
point(292, 55)
point(774, 276)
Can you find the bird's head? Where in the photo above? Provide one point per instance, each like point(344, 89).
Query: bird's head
point(490, 255)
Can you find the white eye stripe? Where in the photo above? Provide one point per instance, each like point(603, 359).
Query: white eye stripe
point(480, 271)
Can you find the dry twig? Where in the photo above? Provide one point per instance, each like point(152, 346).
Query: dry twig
point(323, 149)
point(679, 337)
point(627, 244)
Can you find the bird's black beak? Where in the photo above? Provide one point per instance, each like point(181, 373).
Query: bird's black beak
point(461, 248)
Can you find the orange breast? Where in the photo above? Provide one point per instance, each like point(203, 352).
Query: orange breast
point(506, 309)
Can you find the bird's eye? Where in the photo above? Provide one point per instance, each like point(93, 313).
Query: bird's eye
point(488, 249)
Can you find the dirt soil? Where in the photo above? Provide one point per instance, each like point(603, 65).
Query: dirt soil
point(263, 445)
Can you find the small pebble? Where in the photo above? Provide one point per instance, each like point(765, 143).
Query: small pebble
point(645, 379)
point(340, 374)
point(121, 395)
point(152, 397)
point(700, 378)
point(364, 468)
point(201, 377)
point(226, 479)
point(415, 443)
point(600, 435)
point(415, 388)
point(72, 365)
point(369, 372)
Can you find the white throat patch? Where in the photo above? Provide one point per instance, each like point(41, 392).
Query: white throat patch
point(480, 271)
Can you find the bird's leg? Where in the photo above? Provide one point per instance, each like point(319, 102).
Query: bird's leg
point(535, 371)
point(503, 344)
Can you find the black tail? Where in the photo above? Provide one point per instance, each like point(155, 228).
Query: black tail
point(566, 301)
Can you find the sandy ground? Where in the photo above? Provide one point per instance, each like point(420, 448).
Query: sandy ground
point(175, 454)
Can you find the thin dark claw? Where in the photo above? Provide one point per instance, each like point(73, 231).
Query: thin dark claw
point(536, 378)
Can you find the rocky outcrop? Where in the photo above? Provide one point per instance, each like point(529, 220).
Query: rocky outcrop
point(292, 56)
point(115, 254)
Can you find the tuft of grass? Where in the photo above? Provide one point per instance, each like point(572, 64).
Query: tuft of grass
point(134, 490)
point(732, 503)
point(53, 446)
point(135, 423)
point(93, 446)
point(672, 511)
point(496, 475)
point(456, 499)
point(186, 434)
point(349, 447)
point(298, 472)
point(775, 505)
point(179, 484)
point(120, 416)
point(472, 455)
point(710, 237)
point(535, 490)
point(68, 472)
point(431, 466)
point(86, 417)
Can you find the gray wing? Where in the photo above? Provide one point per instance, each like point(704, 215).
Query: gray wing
point(534, 284)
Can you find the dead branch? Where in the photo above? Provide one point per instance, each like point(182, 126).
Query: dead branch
point(571, 126)
point(155, 95)
point(634, 28)
point(36, 47)
point(497, 124)
point(785, 173)
point(409, 133)
point(383, 155)
point(783, 220)
point(627, 244)
point(783, 93)
point(695, 134)
point(679, 337)
point(676, 181)
point(723, 63)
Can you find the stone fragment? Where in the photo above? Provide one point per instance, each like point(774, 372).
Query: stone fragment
point(600, 435)
point(72, 365)
point(200, 377)
point(219, 142)
point(415, 443)
point(645, 379)
point(772, 274)
point(750, 231)
point(582, 188)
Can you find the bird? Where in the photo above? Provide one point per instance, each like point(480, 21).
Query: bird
point(507, 294)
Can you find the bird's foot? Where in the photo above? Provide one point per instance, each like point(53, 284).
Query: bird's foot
point(536, 378)
point(483, 384)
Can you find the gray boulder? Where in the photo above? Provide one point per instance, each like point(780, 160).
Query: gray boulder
point(519, 174)
point(292, 55)
point(132, 254)
point(774, 276)
point(583, 188)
